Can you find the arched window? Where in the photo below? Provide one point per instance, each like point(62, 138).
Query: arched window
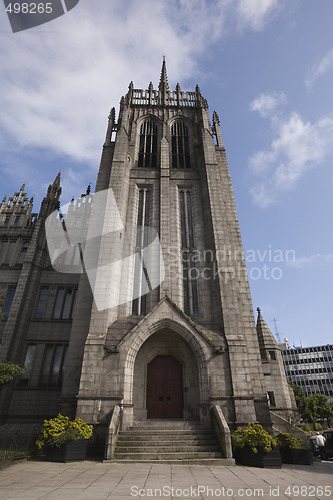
point(180, 145)
point(141, 279)
point(148, 145)
point(190, 275)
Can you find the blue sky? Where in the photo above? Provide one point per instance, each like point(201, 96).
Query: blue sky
point(266, 67)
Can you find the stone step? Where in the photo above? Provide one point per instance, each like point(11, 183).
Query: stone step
point(167, 428)
point(201, 461)
point(178, 432)
point(161, 455)
point(165, 432)
point(181, 424)
point(163, 441)
point(160, 425)
point(124, 448)
point(171, 442)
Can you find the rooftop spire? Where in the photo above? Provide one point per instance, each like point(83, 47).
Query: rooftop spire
point(51, 201)
point(164, 85)
point(265, 337)
point(56, 182)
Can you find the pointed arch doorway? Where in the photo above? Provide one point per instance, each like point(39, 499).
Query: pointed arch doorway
point(164, 388)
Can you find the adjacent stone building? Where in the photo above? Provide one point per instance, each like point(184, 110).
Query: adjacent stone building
point(176, 339)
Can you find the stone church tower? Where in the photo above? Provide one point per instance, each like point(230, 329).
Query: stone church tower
point(178, 341)
point(192, 342)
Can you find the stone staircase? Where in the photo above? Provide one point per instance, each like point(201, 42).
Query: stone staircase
point(169, 442)
point(282, 425)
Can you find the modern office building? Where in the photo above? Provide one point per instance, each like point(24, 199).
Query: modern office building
point(310, 367)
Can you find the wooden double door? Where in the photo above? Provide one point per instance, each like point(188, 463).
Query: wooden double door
point(164, 388)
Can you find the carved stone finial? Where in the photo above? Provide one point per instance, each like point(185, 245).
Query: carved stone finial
point(216, 119)
point(217, 130)
point(259, 310)
point(56, 182)
point(110, 128)
point(164, 84)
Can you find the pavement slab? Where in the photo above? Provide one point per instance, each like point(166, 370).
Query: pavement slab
point(90, 480)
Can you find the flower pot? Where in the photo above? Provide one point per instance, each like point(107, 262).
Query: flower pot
point(68, 452)
point(296, 456)
point(272, 459)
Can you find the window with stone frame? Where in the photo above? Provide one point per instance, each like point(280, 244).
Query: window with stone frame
point(65, 303)
point(11, 290)
point(187, 252)
point(52, 370)
point(10, 254)
point(23, 253)
point(3, 249)
point(180, 148)
point(272, 355)
point(148, 148)
point(72, 255)
point(28, 365)
point(17, 220)
point(271, 398)
point(139, 302)
point(42, 303)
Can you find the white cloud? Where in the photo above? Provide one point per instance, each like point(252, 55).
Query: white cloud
point(311, 261)
point(59, 80)
point(319, 69)
point(297, 147)
point(267, 102)
point(256, 13)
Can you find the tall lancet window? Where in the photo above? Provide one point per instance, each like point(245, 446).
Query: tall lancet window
point(187, 243)
point(148, 145)
point(139, 303)
point(180, 145)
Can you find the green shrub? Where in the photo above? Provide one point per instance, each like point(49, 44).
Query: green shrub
point(60, 430)
point(285, 440)
point(8, 372)
point(305, 427)
point(318, 427)
point(255, 437)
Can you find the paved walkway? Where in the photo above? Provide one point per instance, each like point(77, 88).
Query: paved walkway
point(90, 480)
